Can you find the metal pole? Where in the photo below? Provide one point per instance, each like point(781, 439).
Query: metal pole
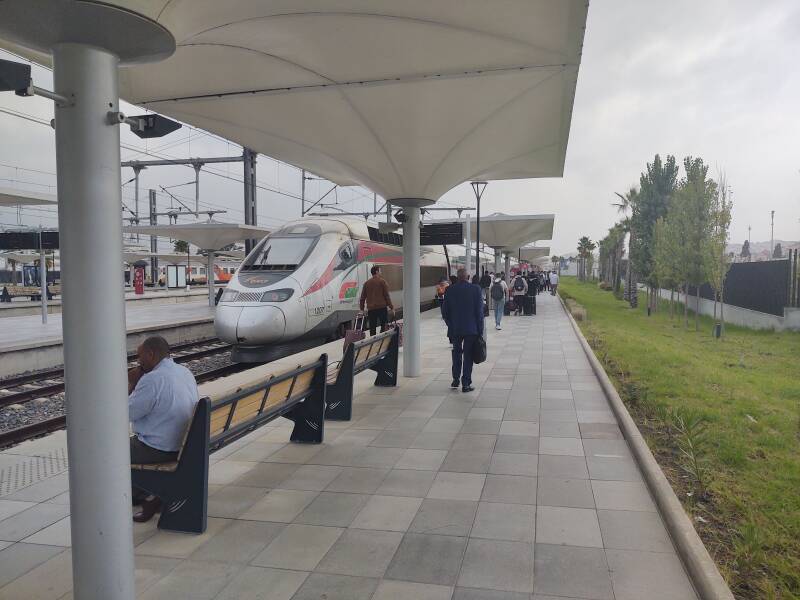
point(197, 167)
point(210, 277)
point(153, 240)
point(250, 215)
point(771, 234)
point(467, 244)
point(303, 193)
point(478, 238)
point(43, 276)
point(411, 320)
point(374, 203)
point(93, 317)
point(136, 171)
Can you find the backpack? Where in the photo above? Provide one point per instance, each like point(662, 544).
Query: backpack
point(497, 291)
point(519, 285)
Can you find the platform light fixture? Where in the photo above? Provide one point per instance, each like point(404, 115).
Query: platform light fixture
point(478, 187)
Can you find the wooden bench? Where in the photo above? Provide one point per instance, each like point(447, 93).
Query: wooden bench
point(297, 394)
point(33, 293)
point(378, 353)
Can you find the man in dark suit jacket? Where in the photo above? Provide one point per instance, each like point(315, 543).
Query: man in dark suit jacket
point(463, 312)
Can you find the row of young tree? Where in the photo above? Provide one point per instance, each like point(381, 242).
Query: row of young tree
point(678, 232)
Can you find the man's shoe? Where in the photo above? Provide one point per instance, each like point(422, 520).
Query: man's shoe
point(498, 328)
point(467, 388)
point(454, 383)
point(149, 508)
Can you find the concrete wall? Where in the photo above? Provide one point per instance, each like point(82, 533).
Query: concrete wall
point(734, 315)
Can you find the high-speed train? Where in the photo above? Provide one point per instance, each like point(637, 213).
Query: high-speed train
point(301, 285)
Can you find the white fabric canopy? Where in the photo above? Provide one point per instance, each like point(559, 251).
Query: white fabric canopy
point(208, 236)
point(406, 97)
point(531, 255)
point(509, 231)
point(14, 197)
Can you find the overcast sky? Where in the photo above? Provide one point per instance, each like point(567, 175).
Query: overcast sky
point(716, 79)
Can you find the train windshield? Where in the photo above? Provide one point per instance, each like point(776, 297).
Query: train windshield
point(284, 251)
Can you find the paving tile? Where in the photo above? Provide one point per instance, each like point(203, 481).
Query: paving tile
point(655, 576)
point(514, 464)
point(372, 456)
point(411, 483)
point(434, 440)
point(394, 439)
point(444, 517)
point(421, 460)
point(462, 593)
point(573, 572)
point(407, 590)
point(264, 475)
point(634, 530)
point(467, 461)
point(226, 471)
point(517, 444)
point(407, 423)
point(434, 559)
point(281, 506)
point(443, 425)
point(311, 477)
point(457, 486)
point(566, 467)
point(560, 446)
point(494, 414)
point(511, 489)
point(387, 513)
point(498, 565)
point(512, 522)
point(294, 453)
point(57, 534)
point(525, 428)
point(232, 500)
point(622, 495)
point(613, 468)
point(481, 426)
point(568, 526)
point(256, 452)
point(361, 553)
point(9, 508)
point(18, 559)
point(336, 587)
point(556, 394)
point(43, 490)
point(260, 583)
point(193, 579)
point(559, 429)
point(51, 579)
point(554, 491)
point(332, 509)
point(31, 520)
point(358, 480)
point(596, 416)
point(298, 547)
point(600, 431)
point(238, 542)
point(474, 442)
point(171, 544)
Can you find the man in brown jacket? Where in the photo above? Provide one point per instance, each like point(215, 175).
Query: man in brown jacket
point(376, 296)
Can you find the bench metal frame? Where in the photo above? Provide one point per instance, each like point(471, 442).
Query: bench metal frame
point(184, 490)
point(340, 391)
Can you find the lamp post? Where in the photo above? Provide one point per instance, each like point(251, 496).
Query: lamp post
point(771, 234)
point(478, 187)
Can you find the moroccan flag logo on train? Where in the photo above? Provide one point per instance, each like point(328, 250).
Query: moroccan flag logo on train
point(348, 290)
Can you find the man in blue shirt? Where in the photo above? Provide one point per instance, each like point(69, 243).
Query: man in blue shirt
point(161, 402)
point(463, 312)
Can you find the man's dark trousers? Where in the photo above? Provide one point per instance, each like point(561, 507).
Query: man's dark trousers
point(378, 316)
point(462, 345)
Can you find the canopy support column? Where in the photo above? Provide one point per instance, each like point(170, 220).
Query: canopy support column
point(250, 203)
point(411, 313)
point(88, 158)
point(210, 277)
point(496, 261)
point(508, 266)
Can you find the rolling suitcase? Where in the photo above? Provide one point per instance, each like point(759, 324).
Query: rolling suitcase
point(357, 333)
point(509, 308)
point(529, 305)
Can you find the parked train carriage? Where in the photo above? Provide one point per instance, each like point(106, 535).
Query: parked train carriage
point(301, 285)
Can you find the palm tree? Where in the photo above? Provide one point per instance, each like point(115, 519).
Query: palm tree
point(627, 202)
point(585, 249)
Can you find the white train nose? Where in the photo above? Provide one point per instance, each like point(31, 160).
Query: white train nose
point(249, 325)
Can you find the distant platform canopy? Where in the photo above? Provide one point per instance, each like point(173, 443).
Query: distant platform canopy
point(510, 231)
point(14, 197)
point(530, 254)
point(408, 98)
point(207, 236)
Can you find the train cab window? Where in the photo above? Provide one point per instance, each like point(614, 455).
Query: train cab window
point(285, 250)
point(346, 256)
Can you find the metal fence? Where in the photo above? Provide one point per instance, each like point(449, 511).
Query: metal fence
point(766, 286)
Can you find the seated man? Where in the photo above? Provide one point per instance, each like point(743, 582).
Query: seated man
point(161, 402)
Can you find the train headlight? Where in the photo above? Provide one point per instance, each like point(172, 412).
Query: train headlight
point(277, 295)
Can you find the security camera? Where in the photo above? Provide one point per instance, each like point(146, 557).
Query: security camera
point(400, 217)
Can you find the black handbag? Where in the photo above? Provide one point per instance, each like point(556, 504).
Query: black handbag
point(479, 350)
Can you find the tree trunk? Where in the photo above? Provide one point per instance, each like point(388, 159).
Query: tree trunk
point(671, 304)
point(715, 306)
point(722, 310)
point(686, 306)
point(697, 309)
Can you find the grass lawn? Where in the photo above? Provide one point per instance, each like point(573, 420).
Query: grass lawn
point(747, 388)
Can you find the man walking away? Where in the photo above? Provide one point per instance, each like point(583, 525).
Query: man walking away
point(463, 313)
point(499, 293)
point(553, 282)
point(520, 289)
point(376, 296)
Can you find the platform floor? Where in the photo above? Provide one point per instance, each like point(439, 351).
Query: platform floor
point(29, 331)
point(523, 489)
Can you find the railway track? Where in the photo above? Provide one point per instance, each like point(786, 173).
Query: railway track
point(27, 432)
point(23, 388)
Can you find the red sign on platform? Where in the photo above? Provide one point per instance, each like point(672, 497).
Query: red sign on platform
point(138, 280)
